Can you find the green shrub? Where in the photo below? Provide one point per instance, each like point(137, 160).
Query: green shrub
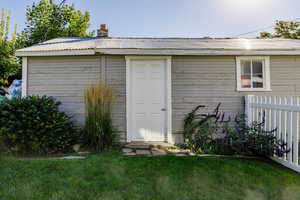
point(212, 133)
point(35, 125)
point(99, 132)
point(253, 139)
point(201, 133)
point(3, 149)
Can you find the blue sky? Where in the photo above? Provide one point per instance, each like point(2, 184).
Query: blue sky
point(175, 18)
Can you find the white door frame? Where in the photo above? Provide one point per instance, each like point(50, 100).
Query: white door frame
point(168, 134)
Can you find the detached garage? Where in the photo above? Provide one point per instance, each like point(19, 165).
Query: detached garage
point(159, 80)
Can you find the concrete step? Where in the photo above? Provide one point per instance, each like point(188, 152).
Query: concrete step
point(146, 145)
point(138, 146)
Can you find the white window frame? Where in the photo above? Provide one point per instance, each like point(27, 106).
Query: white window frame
point(266, 73)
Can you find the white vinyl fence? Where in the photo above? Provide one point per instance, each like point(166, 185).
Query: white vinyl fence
point(281, 112)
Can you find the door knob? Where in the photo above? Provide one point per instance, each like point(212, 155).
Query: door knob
point(163, 109)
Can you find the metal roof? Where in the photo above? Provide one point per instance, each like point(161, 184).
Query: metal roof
point(167, 46)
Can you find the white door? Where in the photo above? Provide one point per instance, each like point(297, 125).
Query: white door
point(148, 100)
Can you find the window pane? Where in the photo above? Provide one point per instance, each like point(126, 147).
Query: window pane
point(246, 74)
point(257, 76)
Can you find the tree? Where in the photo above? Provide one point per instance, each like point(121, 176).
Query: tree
point(47, 20)
point(284, 29)
point(10, 66)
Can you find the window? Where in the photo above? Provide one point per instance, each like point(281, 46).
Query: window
point(253, 73)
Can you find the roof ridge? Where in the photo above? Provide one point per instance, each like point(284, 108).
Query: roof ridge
point(179, 38)
point(176, 44)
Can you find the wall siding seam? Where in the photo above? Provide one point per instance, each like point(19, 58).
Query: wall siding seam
point(103, 69)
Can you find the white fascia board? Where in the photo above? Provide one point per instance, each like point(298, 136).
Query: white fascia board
point(170, 52)
point(203, 52)
point(55, 53)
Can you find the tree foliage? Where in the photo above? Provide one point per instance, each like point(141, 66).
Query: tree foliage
point(284, 29)
point(9, 64)
point(47, 20)
point(44, 20)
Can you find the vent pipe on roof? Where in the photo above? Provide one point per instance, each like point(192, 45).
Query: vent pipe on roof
point(103, 31)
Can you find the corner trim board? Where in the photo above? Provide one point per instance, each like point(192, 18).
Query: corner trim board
point(24, 76)
point(128, 128)
point(169, 100)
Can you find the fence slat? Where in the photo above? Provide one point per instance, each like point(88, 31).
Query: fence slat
point(279, 120)
point(274, 116)
point(289, 130)
point(284, 127)
point(296, 136)
point(264, 111)
point(270, 114)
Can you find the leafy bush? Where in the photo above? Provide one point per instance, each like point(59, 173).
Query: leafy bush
point(35, 125)
point(254, 140)
point(99, 132)
point(3, 149)
point(212, 133)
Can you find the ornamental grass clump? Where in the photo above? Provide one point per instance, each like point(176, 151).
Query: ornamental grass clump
point(99, 132)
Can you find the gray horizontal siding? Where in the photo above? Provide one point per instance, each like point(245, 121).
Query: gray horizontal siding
point(116, 78)
point(208, 80)
point(198, 80)
point(205, 80)
point(64, 78)
point(285, 75)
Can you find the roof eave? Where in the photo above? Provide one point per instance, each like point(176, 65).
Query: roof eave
point(21, 53)
point(120, 51)
point(212, 52)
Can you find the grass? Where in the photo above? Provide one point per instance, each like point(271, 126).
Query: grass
point(112, 176)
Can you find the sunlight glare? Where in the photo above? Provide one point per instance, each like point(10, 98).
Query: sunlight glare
point(245, 4)
point(247, 44)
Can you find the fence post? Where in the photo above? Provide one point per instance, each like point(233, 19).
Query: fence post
point(248, 111)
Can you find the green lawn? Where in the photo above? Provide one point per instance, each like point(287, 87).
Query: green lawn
point(112, 176)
